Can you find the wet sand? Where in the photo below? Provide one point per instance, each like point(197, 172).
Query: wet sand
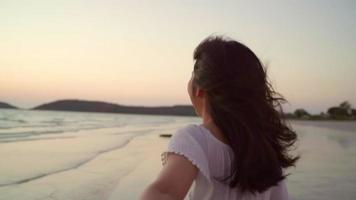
point(118, 174)
point(132, 185)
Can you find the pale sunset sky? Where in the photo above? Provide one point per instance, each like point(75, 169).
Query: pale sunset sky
point(140, 52)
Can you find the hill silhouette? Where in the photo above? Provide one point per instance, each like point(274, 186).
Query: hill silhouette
point(99, 106)
point(6, 105)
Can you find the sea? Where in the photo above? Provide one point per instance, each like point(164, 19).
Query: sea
point(80, 155)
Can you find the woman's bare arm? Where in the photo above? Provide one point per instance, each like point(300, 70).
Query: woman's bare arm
point(174, 180)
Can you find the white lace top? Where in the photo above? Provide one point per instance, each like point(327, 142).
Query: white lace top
point(213, 158)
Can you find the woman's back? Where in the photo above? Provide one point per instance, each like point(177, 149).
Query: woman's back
point(213, 158)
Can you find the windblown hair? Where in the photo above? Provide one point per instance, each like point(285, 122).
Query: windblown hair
point(247, 110)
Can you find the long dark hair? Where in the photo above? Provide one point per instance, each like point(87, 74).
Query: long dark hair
point(247, 110)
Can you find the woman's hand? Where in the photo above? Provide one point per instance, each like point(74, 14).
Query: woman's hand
point(173, 181)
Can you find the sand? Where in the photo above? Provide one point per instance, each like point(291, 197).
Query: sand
point(118, 174)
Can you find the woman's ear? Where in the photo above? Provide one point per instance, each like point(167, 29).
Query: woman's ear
point(199, 92)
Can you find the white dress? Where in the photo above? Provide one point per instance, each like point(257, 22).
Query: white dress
point(213, 159)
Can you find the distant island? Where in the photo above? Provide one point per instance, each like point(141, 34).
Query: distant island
point(6, 105)
point(342, 112)
point(98, 106)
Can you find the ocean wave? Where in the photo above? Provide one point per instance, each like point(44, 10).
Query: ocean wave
point(78, 164)
point(38, 132)
point(33, 139)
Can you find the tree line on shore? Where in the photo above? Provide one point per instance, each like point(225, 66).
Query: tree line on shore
point(343, 111)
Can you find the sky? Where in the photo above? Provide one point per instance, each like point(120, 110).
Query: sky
point(141, 52)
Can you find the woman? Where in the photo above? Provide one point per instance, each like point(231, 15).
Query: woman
point(241, 149)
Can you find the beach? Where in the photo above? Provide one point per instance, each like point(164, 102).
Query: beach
point(84, 156)
point(92, 156)
point(118, 174)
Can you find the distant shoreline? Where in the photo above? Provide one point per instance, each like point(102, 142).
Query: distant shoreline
point(75, 105)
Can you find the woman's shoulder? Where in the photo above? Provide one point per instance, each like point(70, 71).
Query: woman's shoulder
point(186, 134)
point(201, 135)
point(184, 142)
point(190, 132)
point(279, 191)
point(188, 128)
